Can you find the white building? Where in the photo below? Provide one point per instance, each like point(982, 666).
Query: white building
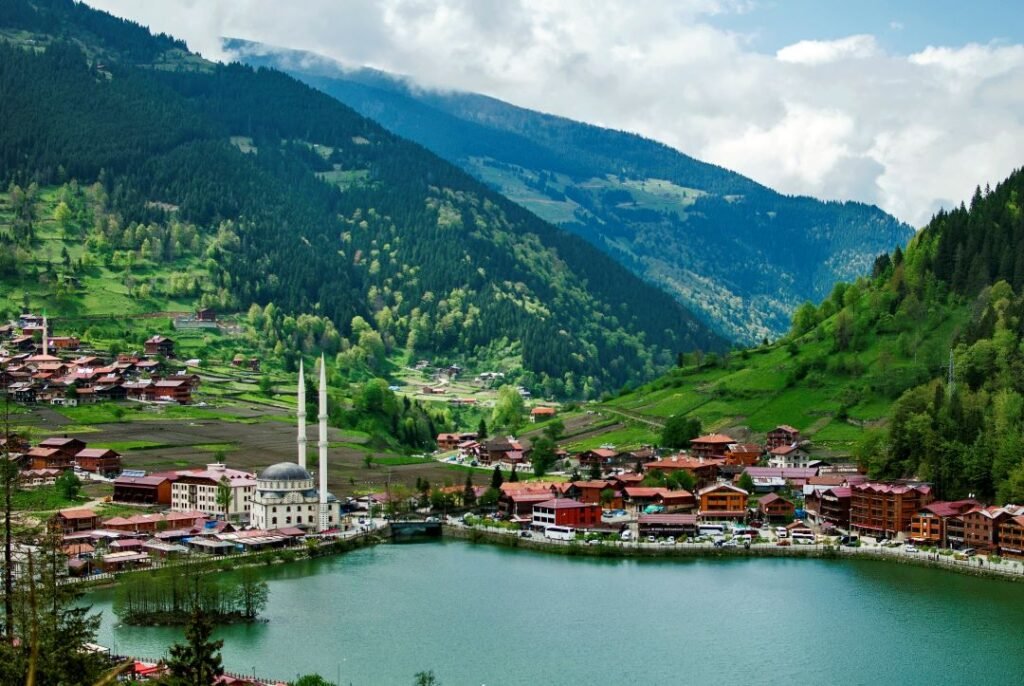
point(788, 456)
point(286, 494)
point(197, 489)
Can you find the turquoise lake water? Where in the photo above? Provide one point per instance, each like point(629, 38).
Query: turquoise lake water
point(478, 614)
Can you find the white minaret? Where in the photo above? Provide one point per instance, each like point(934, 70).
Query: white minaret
point(301, 412)
point(322, 444)
point(46, 345)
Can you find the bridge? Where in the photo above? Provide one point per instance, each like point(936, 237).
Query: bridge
point(411, 530)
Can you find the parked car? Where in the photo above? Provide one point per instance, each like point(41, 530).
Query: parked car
point(594, 541)
point(671, 540)
point(969, 552)
point(783, 543)
point(782, 532)
point(651, 539)
point(525, 534)
point(626, 535)
point(432, 520)
point(909, 548)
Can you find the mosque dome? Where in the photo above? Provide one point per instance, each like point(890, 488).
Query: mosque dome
point(284, 471)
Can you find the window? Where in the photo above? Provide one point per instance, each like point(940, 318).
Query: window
point(273, 520)
point(287, 520)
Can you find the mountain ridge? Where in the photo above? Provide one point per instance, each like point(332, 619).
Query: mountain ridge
point(702, 232)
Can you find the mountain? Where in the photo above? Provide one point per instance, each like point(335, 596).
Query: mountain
point(282, 195)
point(917, 370)
point(741, 255)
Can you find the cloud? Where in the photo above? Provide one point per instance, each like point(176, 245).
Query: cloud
point(837, 119)
point(823, 51)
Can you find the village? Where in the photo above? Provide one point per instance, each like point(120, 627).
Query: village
point(720, 495)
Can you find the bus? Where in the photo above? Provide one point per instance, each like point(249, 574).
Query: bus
point(560, 533)
point(711, 530)
point(805, 537)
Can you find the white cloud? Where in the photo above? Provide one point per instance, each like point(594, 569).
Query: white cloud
point(838, 119)
point(824, 51)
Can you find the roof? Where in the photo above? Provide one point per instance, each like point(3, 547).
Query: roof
point(718, 487)
point(563, 504)
point(720, 439)
point(683, 463)
point(950, 508)
point(79, 513)
point(57, 442)
point(601, 452)
point(592, 484)
point(785, 449)
point(782, 472)
point(898, 489)
point(670, 519)
point(96, 452)
point(152, 480)
point(771, 498)
point(785, 427)
point(285, 471)
point(543, 410)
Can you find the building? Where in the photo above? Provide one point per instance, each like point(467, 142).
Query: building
point(643, 497)
point(743, 454)
point(101, 461)
point(286, 493)
point(831, 505)
point(173, 390)
point(790, 456)
point(70, 521)
point(932, 524)
point(723, 501)
point(982, 527)
point(591, 492)
point(539, 414)
point(773, 478)
point(667, 525)
point(159, 345)
point(712, 445)
point(448, 441)
point(602, 457)
point(33, 478)
point(566, 512)
point(774, 508)
point(1011, 536)
point(886, 509)
point(197, 490)
point(154, 489)
point(55, 453)
point(704, 471)
point(780, 436)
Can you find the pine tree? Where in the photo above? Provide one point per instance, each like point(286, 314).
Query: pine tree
point(468, 493)
point(481, 430)
point(496, 478)
point(513, 476)
point(197, 661)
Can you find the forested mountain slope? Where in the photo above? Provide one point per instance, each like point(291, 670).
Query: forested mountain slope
point(302, 202)
point(740, 254)
point(867, 372)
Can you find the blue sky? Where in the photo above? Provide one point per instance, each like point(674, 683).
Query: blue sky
point(903, 27)
point(906, 105)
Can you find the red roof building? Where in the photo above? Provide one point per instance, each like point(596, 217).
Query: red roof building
point(712, 445)
point(886, 509)
point(723, 501)
point(98, 461)
point(781, 435)
point(773, 507)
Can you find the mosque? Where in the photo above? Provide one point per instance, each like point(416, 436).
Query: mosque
point(286, 494)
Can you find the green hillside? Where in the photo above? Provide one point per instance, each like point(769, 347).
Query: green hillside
point(284, 197)
point(739, 254)
point(866, 373)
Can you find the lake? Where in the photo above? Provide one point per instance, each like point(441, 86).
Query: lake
point(477, 614)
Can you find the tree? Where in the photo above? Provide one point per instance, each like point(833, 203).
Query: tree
point(481, 429)
point(554, 429)
point(196, 662)
point(682, 479)
point(575, 476)
point(679, 430)
point(468, 492)
point(513, 476)
point(746, 482)
point(508, 409)
point(68, 485)
point(607, 496)
point(224, 495)
point(252, 593)
point(497, 479)
point(311, 680)
point(595, 471)
point(489, 497)
point(543, 455)
point(426, 679)
point(266, 385)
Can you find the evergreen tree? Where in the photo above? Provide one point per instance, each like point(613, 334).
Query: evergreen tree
point(481, 429)
point(468, 492)
point(513, 476)
point(746, 482)
point(497, 479)
point(196, 662)
point(595, 471)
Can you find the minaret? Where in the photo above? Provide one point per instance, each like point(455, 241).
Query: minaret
point(46, 346)
point(302, 416)
point(322, 444)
